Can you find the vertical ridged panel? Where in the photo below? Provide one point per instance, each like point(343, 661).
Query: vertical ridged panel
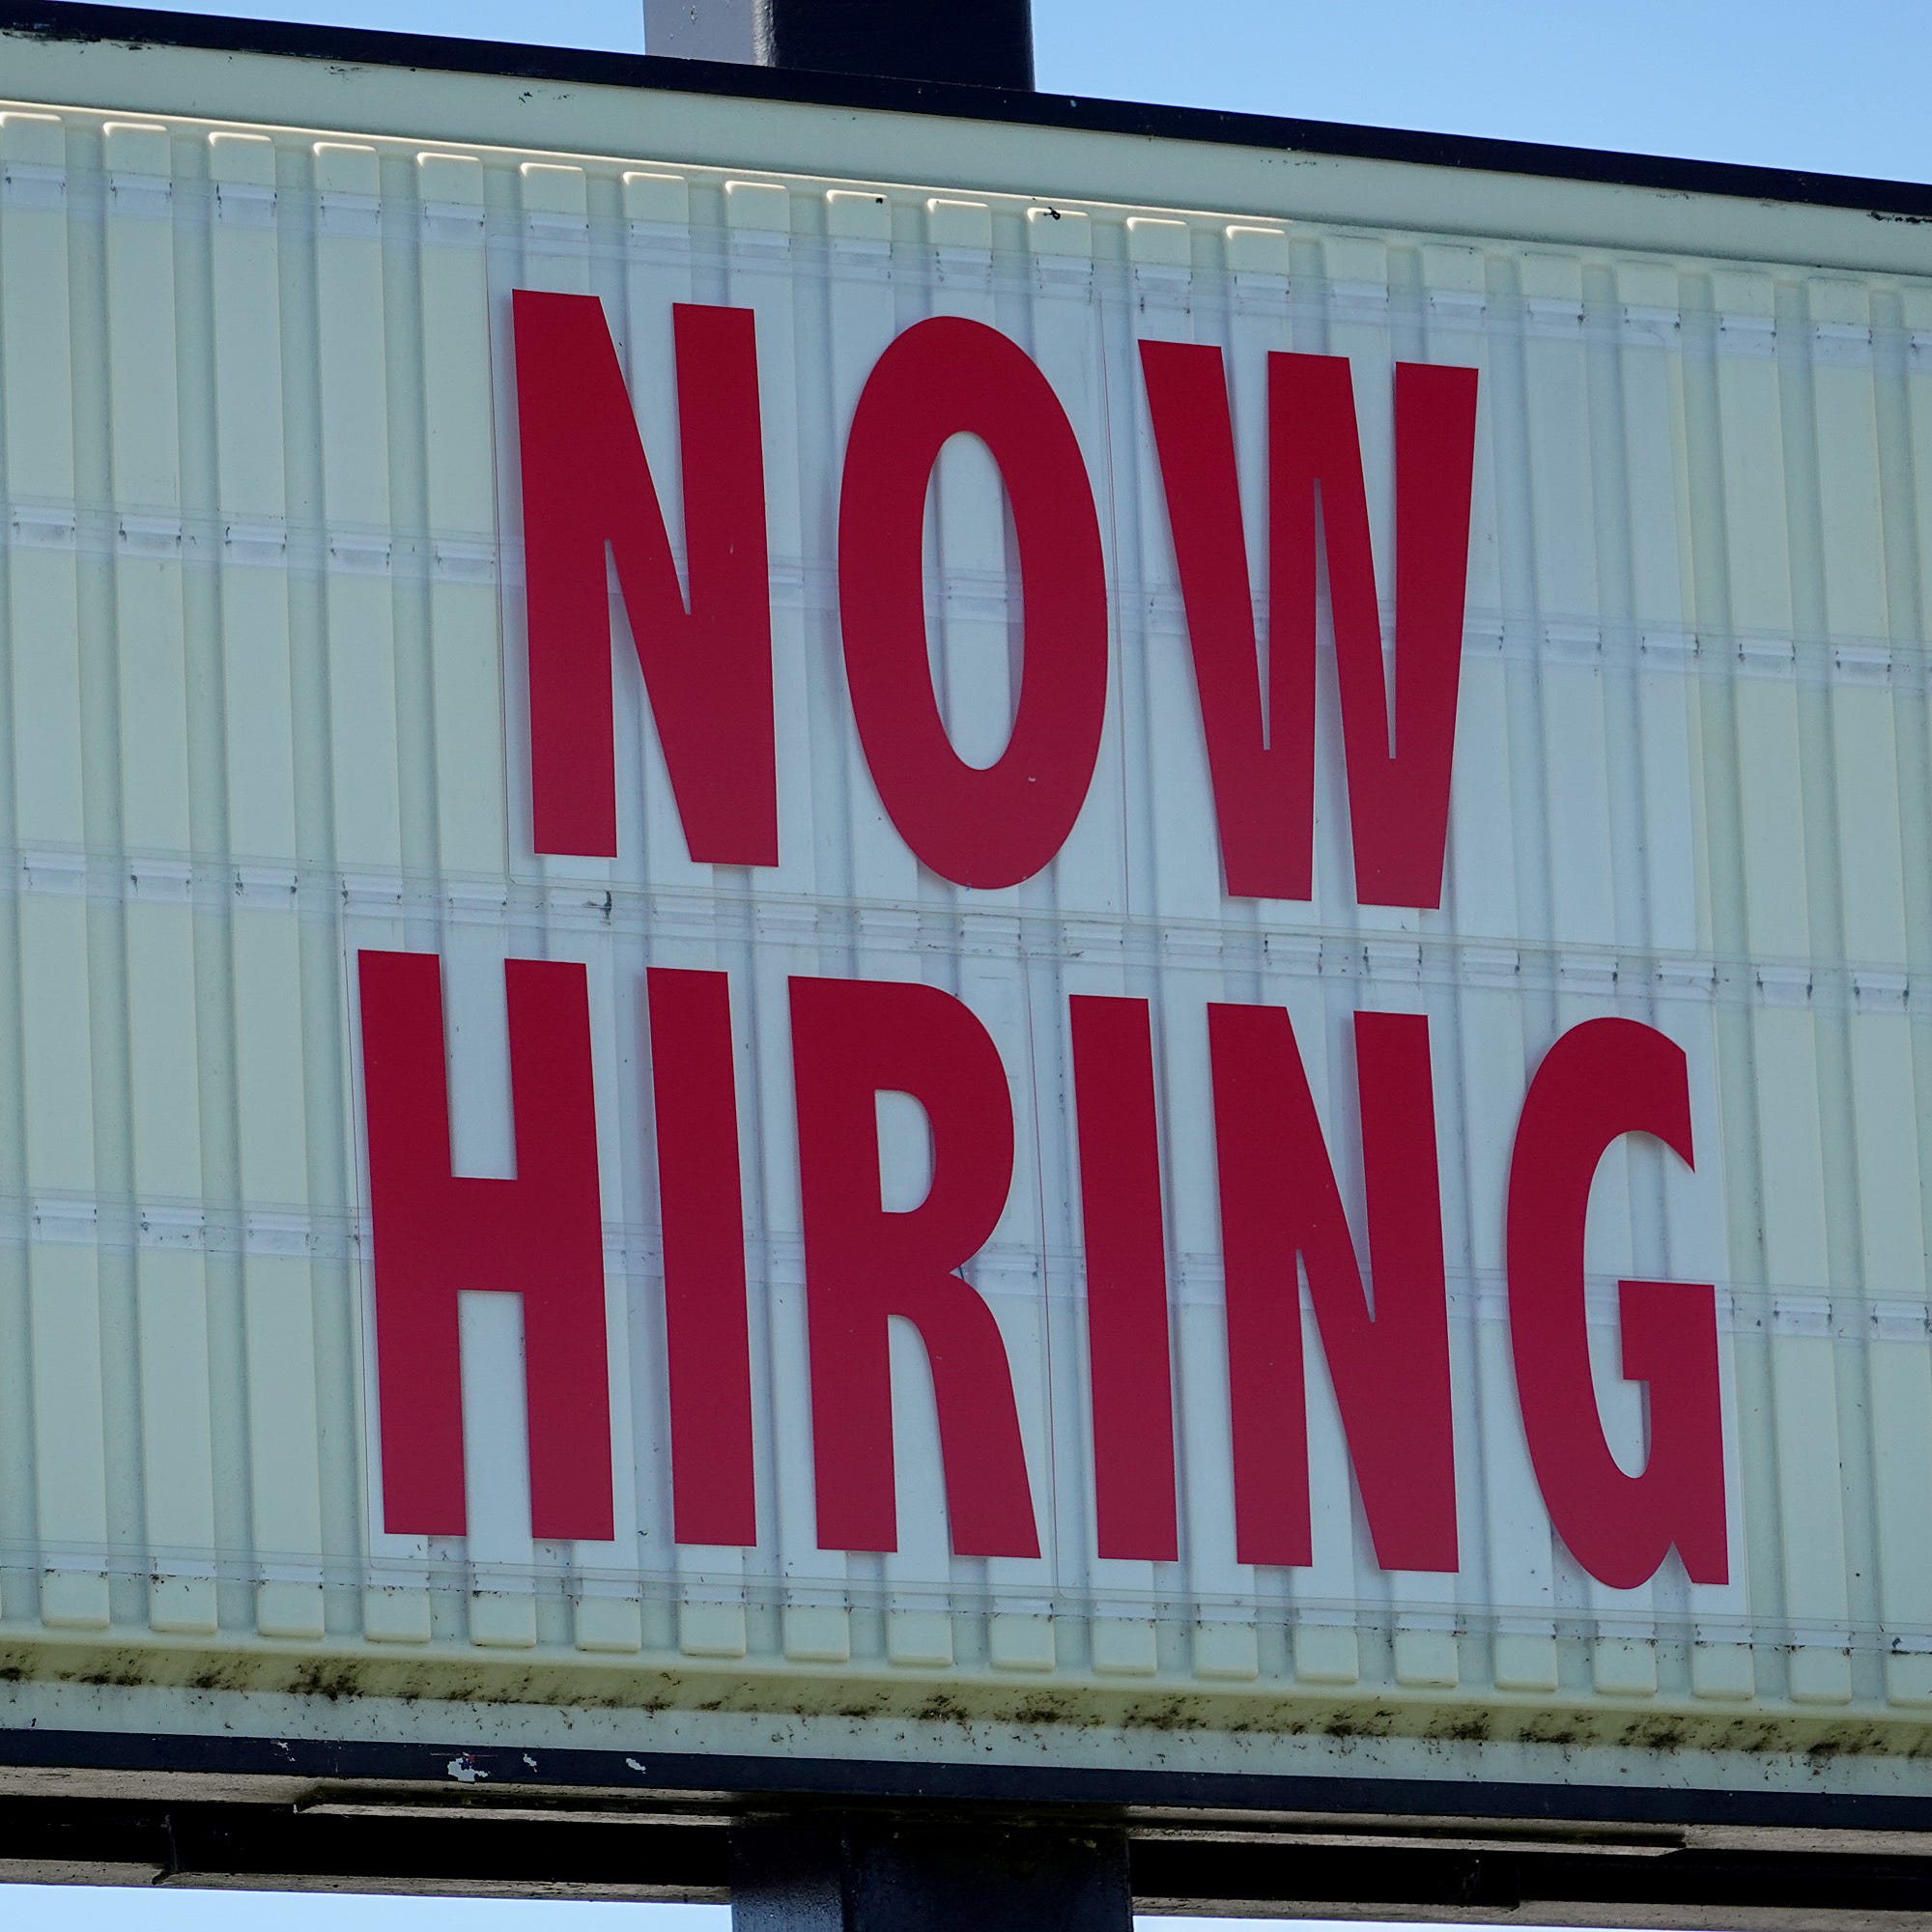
point(264, 708)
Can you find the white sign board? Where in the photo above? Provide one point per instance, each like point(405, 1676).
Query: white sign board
point(883, 952)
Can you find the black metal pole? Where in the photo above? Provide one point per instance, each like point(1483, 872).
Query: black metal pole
point(983, 43)
point(957, 1875)
point(979, 42)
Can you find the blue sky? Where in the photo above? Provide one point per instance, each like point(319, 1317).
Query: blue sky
point(1782, 82)
point(1779, 82)
point(50, 1907)
point(29, 1908)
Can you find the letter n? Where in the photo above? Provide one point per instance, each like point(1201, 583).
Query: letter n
point(707, 665)
point(436, 1234)
point(1282, 1217)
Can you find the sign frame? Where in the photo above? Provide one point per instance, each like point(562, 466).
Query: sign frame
point(1469, 1852)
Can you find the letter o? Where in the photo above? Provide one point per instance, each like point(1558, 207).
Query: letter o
point(995, 826)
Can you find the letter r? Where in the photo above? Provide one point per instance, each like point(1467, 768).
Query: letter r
point(852, 1040)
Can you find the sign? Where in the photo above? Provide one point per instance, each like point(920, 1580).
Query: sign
point(1049, 956)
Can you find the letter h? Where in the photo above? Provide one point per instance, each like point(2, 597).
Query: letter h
point(436, 1234)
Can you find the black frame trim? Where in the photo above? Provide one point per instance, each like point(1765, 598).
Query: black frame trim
point(509, 1822)
point(788, 1780)
point(78, 20)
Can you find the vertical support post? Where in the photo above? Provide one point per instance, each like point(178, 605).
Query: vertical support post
point(714, 30)
point(977, 42)
point(862, 1875)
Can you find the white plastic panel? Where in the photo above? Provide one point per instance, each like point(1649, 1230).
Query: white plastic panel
point(262, 695)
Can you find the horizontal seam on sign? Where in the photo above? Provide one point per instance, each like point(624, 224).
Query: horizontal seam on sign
point(1046, 1270)
point(1293, 1600)
point(1290, 951)
point(1293, 1605)
point(210, 542)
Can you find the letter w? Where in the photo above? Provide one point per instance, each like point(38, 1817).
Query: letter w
point(1261, 756)
point(707, 667)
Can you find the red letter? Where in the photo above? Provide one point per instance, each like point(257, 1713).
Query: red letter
point(852, 1040)
point(943, 378)
point(707, 670)
point(1126, 1280)
point(1601, 1080)
point(1263, 766)
point(1390, 1367)
point(540, 1235)
point(700, 1202)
